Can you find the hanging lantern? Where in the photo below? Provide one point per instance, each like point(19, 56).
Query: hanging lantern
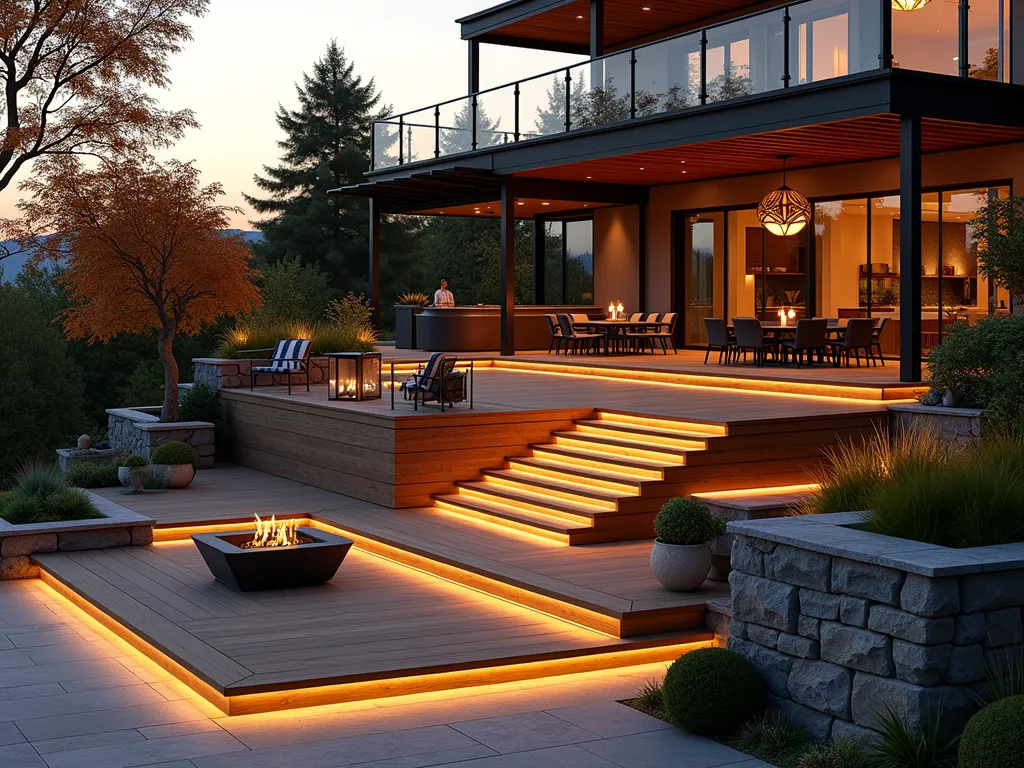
point(785, 211)
point(909, 5)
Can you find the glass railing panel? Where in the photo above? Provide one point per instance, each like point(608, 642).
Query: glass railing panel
point(832, 38)
point(927, 39)
point(456, 126)
point(385, 143)
point(496, 116)
point(668, 75)
point(418, 136)
point(987, 52)
point(604, 92)
point(745, 56)
point(542, 105)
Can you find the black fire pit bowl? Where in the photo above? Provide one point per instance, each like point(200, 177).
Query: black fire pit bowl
point(251, 570)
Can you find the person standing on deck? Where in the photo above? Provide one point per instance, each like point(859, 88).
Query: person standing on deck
point(443, 297)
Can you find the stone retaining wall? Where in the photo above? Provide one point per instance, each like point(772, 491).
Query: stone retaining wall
point(120, 527)
point(140, 431)
point(222, 373)
point(955, 425)
point(71, 457)
point(842, 622)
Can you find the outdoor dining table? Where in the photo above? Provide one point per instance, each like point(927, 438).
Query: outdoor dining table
point(613, 328)
point(778, 331)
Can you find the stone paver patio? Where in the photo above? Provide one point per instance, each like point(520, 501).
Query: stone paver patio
point(74, 696)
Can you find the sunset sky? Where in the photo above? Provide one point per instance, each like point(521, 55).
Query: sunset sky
point(247, 55)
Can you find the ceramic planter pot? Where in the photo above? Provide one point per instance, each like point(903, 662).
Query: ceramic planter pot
point(134, 478)
point(174, 475)
point(680, 567)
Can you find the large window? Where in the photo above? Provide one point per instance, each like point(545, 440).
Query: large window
point(768, 274)
point(569, 262)
point(857, 255)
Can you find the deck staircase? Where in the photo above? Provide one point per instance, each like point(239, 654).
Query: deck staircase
point(605, 479)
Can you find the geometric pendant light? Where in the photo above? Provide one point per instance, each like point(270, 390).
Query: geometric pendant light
point(785, 211)
point(909, 5)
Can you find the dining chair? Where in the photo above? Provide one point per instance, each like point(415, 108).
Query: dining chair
point(876, 337)
point(858, 336)
point(666, 333)
point(811, 336)
point(580, 317)
point(719, 338)
point(574, 339)
point(636, 317)
point(642, 338)
point(556, 334)
point(750, 338)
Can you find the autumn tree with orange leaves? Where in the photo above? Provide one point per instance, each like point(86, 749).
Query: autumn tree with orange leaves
point(143, 250)
point(77, 77)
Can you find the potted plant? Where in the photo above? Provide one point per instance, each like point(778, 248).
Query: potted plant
point(681, 557)
point(175, 464)
point(409, 305)
point(134, 472)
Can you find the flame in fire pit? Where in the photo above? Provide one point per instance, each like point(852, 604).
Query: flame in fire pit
point(270, 533)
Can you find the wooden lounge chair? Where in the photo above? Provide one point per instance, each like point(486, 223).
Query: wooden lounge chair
point(288, 357)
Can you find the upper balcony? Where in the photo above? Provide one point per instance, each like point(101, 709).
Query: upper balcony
point(784, 47)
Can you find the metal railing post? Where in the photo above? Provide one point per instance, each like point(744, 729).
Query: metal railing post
point(703, 66)
point(401, 140)
point(963, 54)
point(474, 121)
point(632, 84)
point(373, 145)
point(437, 131)
point(786, 18)
point(516, 110)
point(568, 99)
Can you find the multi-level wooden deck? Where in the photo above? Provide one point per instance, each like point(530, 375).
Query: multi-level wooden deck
point(462, 573)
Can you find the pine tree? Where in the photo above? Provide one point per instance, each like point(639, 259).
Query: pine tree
point(326, 145)
point(551, 117)
point(458, 137)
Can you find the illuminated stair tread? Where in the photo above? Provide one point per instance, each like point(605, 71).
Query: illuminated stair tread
point(496, 509)
point(595, 454)
point(575, 473)
point(537, 500)
point(622, 444)
point(639, 433)
point(540, 484)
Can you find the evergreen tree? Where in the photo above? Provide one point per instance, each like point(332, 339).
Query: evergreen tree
point(458, 137)
point(551, 117)
point(327, 145)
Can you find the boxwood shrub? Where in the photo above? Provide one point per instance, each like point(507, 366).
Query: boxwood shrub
point(712, 692)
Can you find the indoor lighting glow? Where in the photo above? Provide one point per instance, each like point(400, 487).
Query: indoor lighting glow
point(784, 211)
point(909, 5)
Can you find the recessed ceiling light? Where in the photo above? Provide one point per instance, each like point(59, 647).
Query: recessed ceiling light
point(683, 162)
point(590, 177)
point(647, 8)
point(545, 203)
point(641, 168)
point(521, 203)
point(579, 17)
point(684, 171)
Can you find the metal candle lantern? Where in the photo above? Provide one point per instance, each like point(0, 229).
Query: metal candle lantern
point(353, 375)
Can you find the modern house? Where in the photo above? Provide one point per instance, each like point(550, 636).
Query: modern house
point(895, 119)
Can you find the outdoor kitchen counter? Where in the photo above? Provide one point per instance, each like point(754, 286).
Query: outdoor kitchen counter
point(477, 328)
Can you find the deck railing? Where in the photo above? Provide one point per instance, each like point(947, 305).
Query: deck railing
point(802, 42)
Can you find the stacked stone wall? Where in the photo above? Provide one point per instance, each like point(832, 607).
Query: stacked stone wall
point(221, 373)
point(136, 431)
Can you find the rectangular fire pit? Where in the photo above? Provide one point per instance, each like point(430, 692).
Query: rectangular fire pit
point(313, 561)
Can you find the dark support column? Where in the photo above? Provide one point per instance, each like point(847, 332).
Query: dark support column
point(885, 54)
point(375, 262)
point(963, 16)
point(641, 247)
point(538, 259)
point(910, 248)
point(474, 66)
point(596, 28)
point(508, 270)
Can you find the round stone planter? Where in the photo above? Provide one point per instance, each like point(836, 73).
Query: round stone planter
point(680, 567)
point(174, 475)
point(134, 478)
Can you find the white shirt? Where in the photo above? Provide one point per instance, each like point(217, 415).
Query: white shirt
point(443, 298)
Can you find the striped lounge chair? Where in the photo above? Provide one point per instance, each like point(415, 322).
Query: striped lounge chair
point(288, 357)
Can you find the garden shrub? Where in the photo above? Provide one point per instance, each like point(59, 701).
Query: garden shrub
point(40, 495)
point(293, 291)
point(984, 363)
point(175, 452)
point(134, 461)
point(900, 746)
point(841, 753)
point(324, 337)
point(200, 403)
point(650, 699)
point(92, 475)
point(712, 691)
point(686, 521)
point(994, 736)
point(772, 737)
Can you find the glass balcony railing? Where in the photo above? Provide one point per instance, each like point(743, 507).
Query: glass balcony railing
point(786, 46)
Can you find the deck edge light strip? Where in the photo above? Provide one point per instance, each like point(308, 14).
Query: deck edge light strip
point(365, 692)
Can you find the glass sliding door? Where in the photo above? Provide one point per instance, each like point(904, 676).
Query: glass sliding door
point(703, 274)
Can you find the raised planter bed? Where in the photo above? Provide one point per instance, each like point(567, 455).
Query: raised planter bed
point(118, 528)
point(954, 425)
point(70, 457)
point(841, 621)
point(140, 431)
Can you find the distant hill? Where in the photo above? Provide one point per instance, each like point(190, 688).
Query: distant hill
point(12, 265)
